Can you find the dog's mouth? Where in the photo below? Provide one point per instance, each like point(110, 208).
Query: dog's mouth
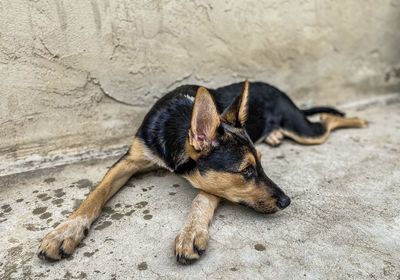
point(260, 206)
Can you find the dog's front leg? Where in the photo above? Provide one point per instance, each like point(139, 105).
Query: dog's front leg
point(192, 241)
point(62, 241)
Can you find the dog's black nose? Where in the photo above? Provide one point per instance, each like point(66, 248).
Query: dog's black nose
point(283, 202)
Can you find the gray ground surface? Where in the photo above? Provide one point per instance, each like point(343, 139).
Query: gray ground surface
point(343, 223)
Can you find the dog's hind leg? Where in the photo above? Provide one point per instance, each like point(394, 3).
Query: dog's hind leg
point(192, 241)
point(62, 241)
point(274, 138)
point(313, 133)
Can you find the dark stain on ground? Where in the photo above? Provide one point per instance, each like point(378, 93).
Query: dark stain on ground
point(89, 254)
point(280, 156)
point(172, 193)
point(83, 183)
point(176, 185)
point(43, 197)
point(141, 204)
point(233, 269)
point(59, 193)
point(45, 215)
point(65, 212)
point(36, 191)
point(129, 213)
point(259, 247)
point(116, 216)
point(39, 210)
point(148, 189)
point(147, 217)
point(19, 200)
point(49, 180)
point(142, 266)
point(104, 225)
point(108, 210)
point(147, 211)
point(55, 225)
point(58, 201)
point(118, 205)
point(6, 208)
point(32, 227)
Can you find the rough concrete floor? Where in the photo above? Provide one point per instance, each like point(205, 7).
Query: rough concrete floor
point(344, 221)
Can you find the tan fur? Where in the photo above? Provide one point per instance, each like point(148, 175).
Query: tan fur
point(193, 238)
point(249, 159)
point(331, 123)
point(68, 234)
point(274, 138)
point(244, 103)
point(191, 152)
point(239, 109)
point(233, 187)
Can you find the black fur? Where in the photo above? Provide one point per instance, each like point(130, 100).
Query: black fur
point(165, 128)
point(317, 110)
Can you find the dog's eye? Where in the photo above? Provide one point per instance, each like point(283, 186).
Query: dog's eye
point(249, 172)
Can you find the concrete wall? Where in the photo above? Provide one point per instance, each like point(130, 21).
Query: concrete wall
point(82, 73)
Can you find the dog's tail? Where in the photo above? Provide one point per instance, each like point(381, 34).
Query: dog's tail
point(317, 110)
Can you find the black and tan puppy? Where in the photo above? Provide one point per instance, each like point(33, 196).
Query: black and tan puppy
point(206, 136)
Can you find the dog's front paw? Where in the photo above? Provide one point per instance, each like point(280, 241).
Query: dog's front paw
point(62, 241)
point(363, 123)
point(190, 244)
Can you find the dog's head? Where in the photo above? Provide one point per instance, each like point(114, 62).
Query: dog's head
point(228, 164)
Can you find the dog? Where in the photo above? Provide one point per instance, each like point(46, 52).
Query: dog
point(206, 136)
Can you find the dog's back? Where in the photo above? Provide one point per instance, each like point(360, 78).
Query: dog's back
point(165, 128)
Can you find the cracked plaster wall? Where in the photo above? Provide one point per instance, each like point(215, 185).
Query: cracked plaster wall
point(79, 72)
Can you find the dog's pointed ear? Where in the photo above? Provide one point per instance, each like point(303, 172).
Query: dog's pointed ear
point(236, 113)
point(205, 121)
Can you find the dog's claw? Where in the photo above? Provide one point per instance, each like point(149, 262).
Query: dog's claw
point(63, 254)
point(185, 260)
point(43, 256)
point(199, 251)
